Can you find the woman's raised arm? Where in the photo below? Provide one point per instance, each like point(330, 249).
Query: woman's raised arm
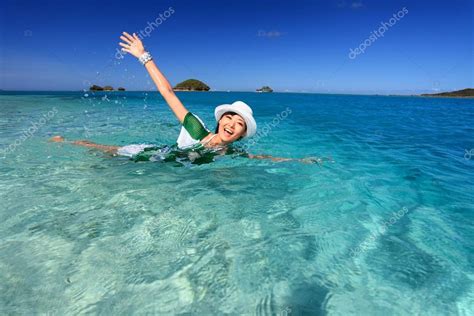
point(134, 46)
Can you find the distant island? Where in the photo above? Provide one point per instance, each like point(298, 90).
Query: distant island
point(191, 85)
point(105, 88)
point(265, 89)
point(465, 93)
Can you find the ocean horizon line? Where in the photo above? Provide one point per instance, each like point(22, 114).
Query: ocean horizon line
point(229, 91)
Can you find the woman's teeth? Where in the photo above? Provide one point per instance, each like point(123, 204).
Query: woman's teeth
point(228, 131)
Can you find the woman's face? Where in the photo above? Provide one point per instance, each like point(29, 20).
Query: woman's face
point(231, 127)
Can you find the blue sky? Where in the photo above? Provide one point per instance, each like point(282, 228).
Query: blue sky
point(300, 46)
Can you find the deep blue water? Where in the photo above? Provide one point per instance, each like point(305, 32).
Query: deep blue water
point(386, 228)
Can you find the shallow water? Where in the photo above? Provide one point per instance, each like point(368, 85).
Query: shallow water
point(81, 231)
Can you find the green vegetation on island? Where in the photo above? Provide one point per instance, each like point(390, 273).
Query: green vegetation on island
point(265, 89)
point(191, 85)
point(105, 88)
point(465, 93)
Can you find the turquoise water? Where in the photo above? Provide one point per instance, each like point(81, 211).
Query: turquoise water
point(387, 228)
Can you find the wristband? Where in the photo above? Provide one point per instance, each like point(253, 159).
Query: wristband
point(145, 57)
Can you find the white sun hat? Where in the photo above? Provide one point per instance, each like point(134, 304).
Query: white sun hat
point(243, 110)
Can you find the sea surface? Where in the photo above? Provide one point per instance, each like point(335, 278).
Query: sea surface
point(383, 226)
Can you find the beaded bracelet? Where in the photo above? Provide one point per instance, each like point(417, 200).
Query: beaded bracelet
point(145, 57)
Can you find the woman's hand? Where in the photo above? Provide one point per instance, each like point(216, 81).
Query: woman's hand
point(311, 160)
point(133, 45)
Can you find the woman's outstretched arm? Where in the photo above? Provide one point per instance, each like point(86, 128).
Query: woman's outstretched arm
point(276, 159)
point(85, 143)
point(134, 46)
point(279, 159)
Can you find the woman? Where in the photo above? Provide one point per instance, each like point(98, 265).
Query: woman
point(195, 142)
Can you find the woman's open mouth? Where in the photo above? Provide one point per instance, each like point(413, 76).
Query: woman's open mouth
point(228, 132)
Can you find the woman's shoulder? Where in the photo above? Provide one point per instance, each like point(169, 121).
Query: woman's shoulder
point(194, 128)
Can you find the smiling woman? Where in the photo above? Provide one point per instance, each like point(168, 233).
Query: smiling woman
point(234, 122)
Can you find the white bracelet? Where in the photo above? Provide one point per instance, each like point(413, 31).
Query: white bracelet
point(145, 57)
